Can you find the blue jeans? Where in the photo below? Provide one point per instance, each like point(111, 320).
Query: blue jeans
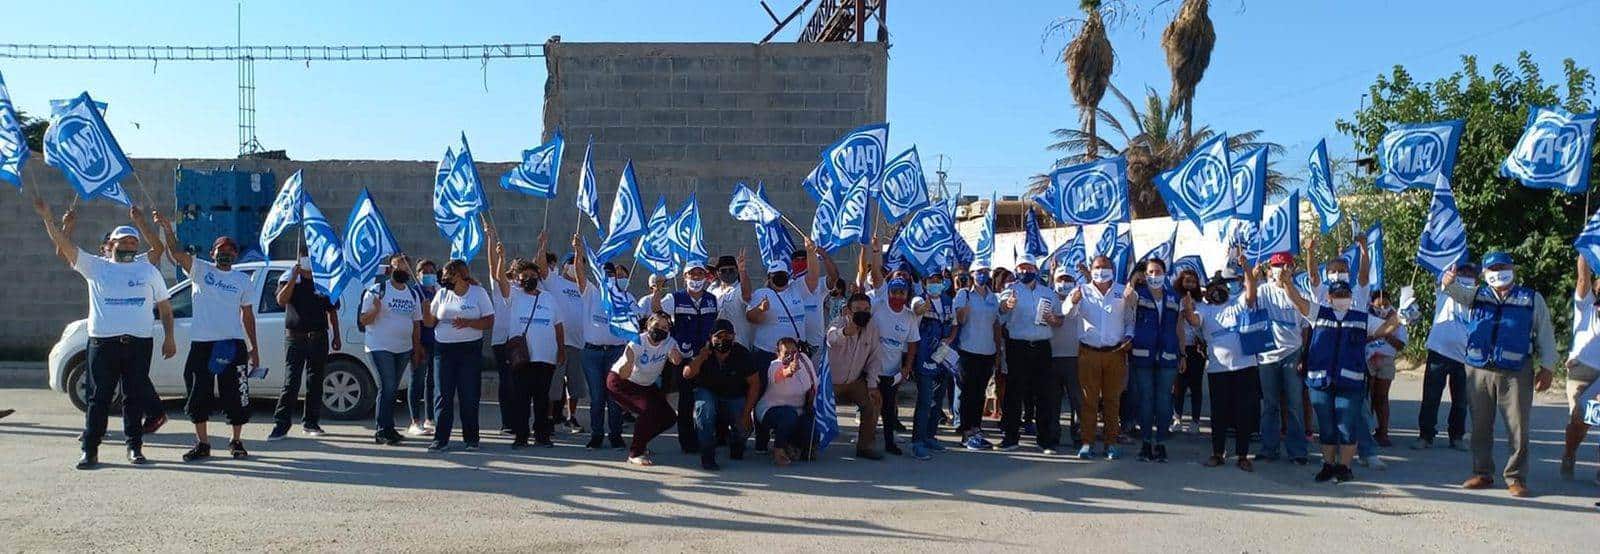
point(1366, 445)
point(925, 417)
point(790, 426)
point(604, 413)
point(1152, 388)
point(456, 374)
point(1281, 388)
point(711, 412)
point(1340, 418)
point(419, 396)
point(389, 366)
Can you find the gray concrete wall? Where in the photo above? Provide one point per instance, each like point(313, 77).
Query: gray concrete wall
point(694, 118)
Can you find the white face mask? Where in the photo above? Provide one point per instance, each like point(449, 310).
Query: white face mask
point(1467, 281)
point(1277, 272)
point(1157, 282)
point(1101, 275)
point(1336, 277)
point(570, 272)
point(1500, 278)
point(1341, 304)
point(1063, 289)
point(697, 285)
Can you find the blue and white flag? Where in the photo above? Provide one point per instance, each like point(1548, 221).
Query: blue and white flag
point(1319, 186)
point(588, 198)
point(285, 210)
point(468, 240)
point(894, 257)
point(983, 255)
point(539, 170)
point(328, 270)
point(860, 154)
point(1090, 193)
point(746, 205)
point(655, 249)
point(1070, 254)
point(462, 189)
point(13, 144)
point(1117, 243)
point(1279, 230)
point(1201, 188)
point(826, 414)
point(1444, 237)
point(446, 209)
point(1375, 248)
point(1588, 242)
point(853, 224)
point(825, 221)
point(1163, 251)
point(1033, 244)
point(1302, 282)
point(1553, 153)
point(961, 254)
point(82, 147)
point(925, 239)
point(116, 193)
point(774, 244)
point(821, 181)
point(1193, 263)
point(904, 189)
point(688, 239)
point(1250, 184)
point(367, 239)
point(619, 315)
point(1414, 156)
point(627, 216)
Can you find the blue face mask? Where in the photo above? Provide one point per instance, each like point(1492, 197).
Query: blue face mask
point(1027, 277)
point(430, 280)
point(982, 279)
point(936, 289)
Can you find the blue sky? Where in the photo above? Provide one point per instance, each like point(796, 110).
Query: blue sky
point(980, 84)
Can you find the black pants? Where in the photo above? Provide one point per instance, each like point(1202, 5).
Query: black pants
point(1025, 361)
point(1235, 406)
point(672, 376)
point(528, 391)
point(1441, 372)
point(889, 413)
point(976, 370)
point(502, 390)
point(112, 361)
point(1189, 383)
point(1052, 385)
point(761, 359)
point(305, 354)
point(209, 391)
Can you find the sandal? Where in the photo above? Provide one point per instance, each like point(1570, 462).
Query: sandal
point(780, 457)
point(1213, 461)
point(1244, 464)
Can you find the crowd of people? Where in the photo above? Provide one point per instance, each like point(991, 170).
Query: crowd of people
point(733, 363)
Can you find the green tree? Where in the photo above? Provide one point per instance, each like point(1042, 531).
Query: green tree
point(1537, 227)
point(33, 129)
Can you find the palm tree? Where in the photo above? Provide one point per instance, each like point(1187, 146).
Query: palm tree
point(1089, 59)
point(1188, 41)
point(1153, 142)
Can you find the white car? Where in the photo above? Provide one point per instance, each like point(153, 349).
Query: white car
point(349, 384)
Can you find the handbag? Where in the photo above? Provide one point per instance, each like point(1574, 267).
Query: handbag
point(517, 353)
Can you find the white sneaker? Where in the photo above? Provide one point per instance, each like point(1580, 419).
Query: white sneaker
point(1373, 462)
point(415, 430)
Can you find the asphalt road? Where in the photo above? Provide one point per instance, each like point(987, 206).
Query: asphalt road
point(342, 492)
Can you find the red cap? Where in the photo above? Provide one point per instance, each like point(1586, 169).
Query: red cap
point(1281, 258)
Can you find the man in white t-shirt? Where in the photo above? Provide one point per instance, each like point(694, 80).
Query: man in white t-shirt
point(224, 318)
point(732, 289)
point(1446, 366)
point(567, 385)
point(898, 334)
point(602, 348)
point(1583, 363)
point(1282, 388)
point(121, 292)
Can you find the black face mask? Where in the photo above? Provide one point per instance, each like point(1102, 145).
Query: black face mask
point(402, 277)
point(721, 347)
point(225, 259)
point(447, 283)
point(529, 284)
point(658, 335)
point(780, 279)
point(1216, 295)
point(728, 276)
point(861, 319)
point(125, 256)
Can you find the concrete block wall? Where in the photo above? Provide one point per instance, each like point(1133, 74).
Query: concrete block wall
point(694, 118)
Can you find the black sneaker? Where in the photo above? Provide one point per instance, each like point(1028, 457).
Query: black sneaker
point(88, 460)
point(200, 451)
point(1146, 452)
point(388, 438)
point(893, 448)
point(1342, 473)
point(544, 443)
point(136, 455)
point(1325, 474)
point(1161, 453)
point(312, 430)
point(594, 444)
point(279, 432)
point(1005, 446)
point(519, 444)
point(236, 449)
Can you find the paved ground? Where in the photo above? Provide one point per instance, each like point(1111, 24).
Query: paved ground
point(342, 492)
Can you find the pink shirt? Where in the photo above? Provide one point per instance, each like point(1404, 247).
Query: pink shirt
point(792, 390)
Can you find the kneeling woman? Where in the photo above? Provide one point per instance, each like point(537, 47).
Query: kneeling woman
point(632, 384)
point(1336, 373)
point(786, 406)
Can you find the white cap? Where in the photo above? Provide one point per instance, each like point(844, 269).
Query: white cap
point(1061, 270)
point(1026, 259)
point(123, 231)
point(774, 266)
point(979, 266)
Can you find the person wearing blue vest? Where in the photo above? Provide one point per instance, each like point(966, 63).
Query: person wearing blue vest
point(1336, 371)
point(1509, 324)
point(694, 315)
point(1155, 354)
point(936, 330)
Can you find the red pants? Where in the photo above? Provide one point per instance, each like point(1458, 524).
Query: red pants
point(648, 404)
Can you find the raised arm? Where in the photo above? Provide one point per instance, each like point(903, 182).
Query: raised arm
point(813, 265)
point(158, 247)
point(580, 265)
point(1312, 275)
point(541, 253)
point(64, 247)
point(744, 277)
point(1366, 260)
point(1585, 285)
point(1249, 283)
point(1286, 283)
point(183, 260)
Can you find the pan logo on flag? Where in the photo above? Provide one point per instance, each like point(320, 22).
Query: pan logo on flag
point(1321, 192)
point(85, 146)
point(1441, 237)
point(458, 194)
point(860, 154)
point(1092, 196)
point(1273, 228)
point(1555, 149)
point(1208, 182)
point(1415, 154)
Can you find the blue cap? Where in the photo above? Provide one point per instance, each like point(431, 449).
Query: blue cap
point(1497, 258)
point(900, 284)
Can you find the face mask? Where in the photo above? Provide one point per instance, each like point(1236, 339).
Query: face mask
point(1027, 277)
point(1467, 281)
point(430, 280)
point(721, 347)
point(1500, 278)
point(779, 279)
point(1216, 295)
point(861, 318)
point(1063, 289)
point(530, 284)
point(305, 262)
point(1339, 277)
point(1277, 272)
point(620, 283)
point(125, 256)
point(1382, 311)
point(697, 285)
point(936, 289)
point(570, 272)
point(1100, 276)
point(1156, 282)
point(448, 283)
point(225, 259)
point(1340, 304)
point(797, 267)
point(401, 277)
point(1235, 287)
point(982, 279)
point(897, 303)
point(728, 276)
point(658, 335)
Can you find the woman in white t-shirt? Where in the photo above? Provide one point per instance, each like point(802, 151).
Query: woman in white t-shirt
point(535, 317)
point(391, 315)
point(784, 407)
point(1232, 375)
point(459, 315)
point(632, 384)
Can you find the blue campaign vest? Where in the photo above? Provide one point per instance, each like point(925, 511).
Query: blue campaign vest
point(1337, 356)
point(1500, 332)
point(1255, 331)
point(936, 324)
point(692, 322)
point(1155, 333)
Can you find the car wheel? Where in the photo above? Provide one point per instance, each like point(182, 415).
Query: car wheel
point(347, 390)
point(78, 386)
